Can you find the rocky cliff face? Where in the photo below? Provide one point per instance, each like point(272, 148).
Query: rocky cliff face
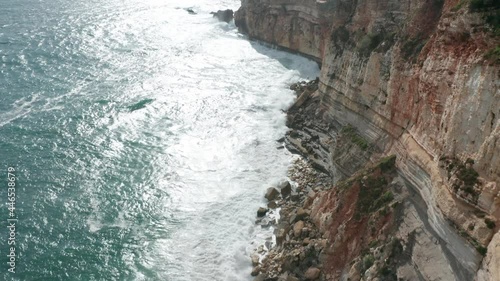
point(416, 79)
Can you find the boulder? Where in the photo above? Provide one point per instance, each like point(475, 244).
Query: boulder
point(260, 277)
point(271, 194)
point(286, 189)
point(280, 236)
point(224, 15)
point(272, 205)
point(261, 212)
point(312, 273)
point(255, 259)
point(297, 228)
point(255, 271)
point(301, 214)
point(287, 277)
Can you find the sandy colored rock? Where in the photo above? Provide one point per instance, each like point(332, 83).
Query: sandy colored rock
point(297, 228)
point(490, 269)
point(312, 273)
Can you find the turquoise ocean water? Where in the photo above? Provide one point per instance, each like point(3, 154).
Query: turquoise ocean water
point(142, 137)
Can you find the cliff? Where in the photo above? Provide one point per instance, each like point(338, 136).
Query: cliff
point(415, 79)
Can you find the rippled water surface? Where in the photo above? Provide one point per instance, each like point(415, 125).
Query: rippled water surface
point(143, 138)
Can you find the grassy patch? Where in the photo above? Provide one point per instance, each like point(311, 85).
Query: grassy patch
point(368, 43)
point(355, 137)
point(388, 163)
point(372, 196)
point(480, 5)
point(368, 261)
point(411, 47)
point(459, 6)
point(373, 244)
point(482, 250)
point(493, 54)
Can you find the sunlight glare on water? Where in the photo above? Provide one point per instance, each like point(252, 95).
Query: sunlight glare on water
point(144, 137)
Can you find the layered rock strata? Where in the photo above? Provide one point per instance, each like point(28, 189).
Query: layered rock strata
point(416, 79)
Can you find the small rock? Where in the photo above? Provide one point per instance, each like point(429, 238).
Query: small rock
point(190, 11)
point(311, 194)
point(260, 277)
point(312, 273)
point(295, 197)
point(261, 212)
point(271, 194)
point(286, 189)
point(272, 205)
point(305, 231)
point(255, 260)
point(280, 236)
point(268, 244)
point(297, 228)
point(255, 271)
point(301, 214)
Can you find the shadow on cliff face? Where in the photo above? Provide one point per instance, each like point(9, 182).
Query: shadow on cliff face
point(288, 58)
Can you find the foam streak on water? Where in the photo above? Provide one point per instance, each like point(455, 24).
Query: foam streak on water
point(144, 138)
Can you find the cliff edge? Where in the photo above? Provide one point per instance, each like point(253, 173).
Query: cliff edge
point(415, 79)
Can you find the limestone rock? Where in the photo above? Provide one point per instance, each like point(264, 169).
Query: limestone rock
point(301, 214)
point(297, 228)
point(255, 260)
point(312, 273)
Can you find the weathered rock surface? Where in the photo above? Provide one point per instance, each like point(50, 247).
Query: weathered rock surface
point(312, 273)
point(261, 212)
point(285, 189)
point(272, 193)
point(409, 78)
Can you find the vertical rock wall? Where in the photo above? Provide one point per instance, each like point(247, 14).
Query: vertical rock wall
point(416, 79)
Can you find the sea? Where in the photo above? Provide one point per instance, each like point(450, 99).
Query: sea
point(137, 139)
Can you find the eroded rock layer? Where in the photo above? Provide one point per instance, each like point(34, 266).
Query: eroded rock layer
point(416, 79)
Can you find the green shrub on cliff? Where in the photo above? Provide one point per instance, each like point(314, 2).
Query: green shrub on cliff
point(493, 54)
point(388, 163)
point(477, 5)
point(372, 196)
point(350, 131)
point(368, 43)
point(411, 47)
point(489, 223)
point(368, 261)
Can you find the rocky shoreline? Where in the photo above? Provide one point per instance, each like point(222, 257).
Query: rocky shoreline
point(347, 212)
point(414, 79)
point(297, 240)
